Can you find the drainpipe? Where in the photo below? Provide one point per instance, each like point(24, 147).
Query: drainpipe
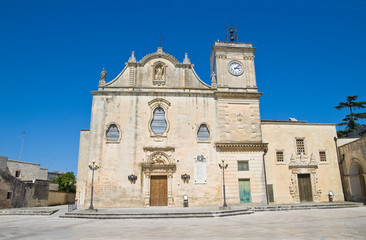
point(265, 174)
point(340, 161)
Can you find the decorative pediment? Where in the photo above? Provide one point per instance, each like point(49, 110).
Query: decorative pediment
point(159, 54)
point(303, 163)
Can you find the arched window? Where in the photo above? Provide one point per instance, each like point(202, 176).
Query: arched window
point(158, 123)
point(112, 133)
point(203, 134)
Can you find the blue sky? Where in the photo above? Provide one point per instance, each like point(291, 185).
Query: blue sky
point(310, 56)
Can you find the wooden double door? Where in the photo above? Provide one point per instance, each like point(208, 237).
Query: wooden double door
point(305, 191)
point(159, 191)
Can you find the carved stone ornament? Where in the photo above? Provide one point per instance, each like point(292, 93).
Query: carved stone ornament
point(200, 158)
point(158, 158)
point(240, 117)
point(303, 163)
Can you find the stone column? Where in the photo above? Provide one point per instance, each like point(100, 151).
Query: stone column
point(147, 190)
point(170, 190)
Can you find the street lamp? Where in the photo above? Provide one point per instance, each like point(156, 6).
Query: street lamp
point(92, 167)
point(223, 166)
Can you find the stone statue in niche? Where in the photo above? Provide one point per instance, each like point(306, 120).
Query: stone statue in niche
point(159, 72)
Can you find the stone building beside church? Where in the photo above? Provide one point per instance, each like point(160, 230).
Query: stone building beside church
point(159, 133)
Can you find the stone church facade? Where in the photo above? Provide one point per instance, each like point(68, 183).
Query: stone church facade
point(159, 133)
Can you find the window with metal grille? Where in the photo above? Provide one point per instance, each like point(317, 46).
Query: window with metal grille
point(112, 133)
point(279, 156)
point(300, 146)
point(158, 123)
point(322, 156)
point(203, 134)
point(243, 166)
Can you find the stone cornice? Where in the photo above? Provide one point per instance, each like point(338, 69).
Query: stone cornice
point(241, 146)
point(237, 94)
point(154, 149)
point(274, 122)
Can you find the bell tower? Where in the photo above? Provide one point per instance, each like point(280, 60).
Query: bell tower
point(232, 63)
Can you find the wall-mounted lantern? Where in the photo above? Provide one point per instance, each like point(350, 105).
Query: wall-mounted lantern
point(185, 177)
point(132, 178)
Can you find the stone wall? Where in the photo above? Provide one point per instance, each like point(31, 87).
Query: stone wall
point(13, 192)
point(353, 163)
point(60, 198)
point(27, 171)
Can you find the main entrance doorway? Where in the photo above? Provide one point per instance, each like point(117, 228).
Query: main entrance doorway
point(305, 192)
point(159, 191)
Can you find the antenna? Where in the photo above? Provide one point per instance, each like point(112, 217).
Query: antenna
point(21, 148)
point(231, 32)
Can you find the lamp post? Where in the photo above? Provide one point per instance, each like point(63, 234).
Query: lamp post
point(92, 167)
point(223, 166)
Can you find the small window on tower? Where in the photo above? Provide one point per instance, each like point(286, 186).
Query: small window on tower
point(17, 174)
point(112, 133)
point(279, 156)
point(9, 195)
point(322, 156)
point(203, 134)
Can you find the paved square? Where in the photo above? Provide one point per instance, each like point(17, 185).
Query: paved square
point(347, 223)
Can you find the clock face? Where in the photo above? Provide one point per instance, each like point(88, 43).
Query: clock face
point(235, 68)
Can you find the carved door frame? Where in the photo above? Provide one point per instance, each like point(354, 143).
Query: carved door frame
point(294, 186)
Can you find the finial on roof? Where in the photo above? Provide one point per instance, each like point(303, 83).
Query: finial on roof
point(132, 59)
point(186, 59)
point(160, 50)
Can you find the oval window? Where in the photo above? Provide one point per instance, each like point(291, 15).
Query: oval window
point(203, 134)
point(112, 133)
point(158, 123)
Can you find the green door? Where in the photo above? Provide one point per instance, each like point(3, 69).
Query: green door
point(244, 190)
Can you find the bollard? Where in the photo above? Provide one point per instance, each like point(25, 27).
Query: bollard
point(330, 196)
point(185, 201)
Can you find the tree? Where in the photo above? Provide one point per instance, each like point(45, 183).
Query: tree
point(66, 182)
point(350, 121)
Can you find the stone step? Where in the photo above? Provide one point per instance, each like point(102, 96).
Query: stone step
point(205, 214)
point(17, 211)
point(305, 206)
